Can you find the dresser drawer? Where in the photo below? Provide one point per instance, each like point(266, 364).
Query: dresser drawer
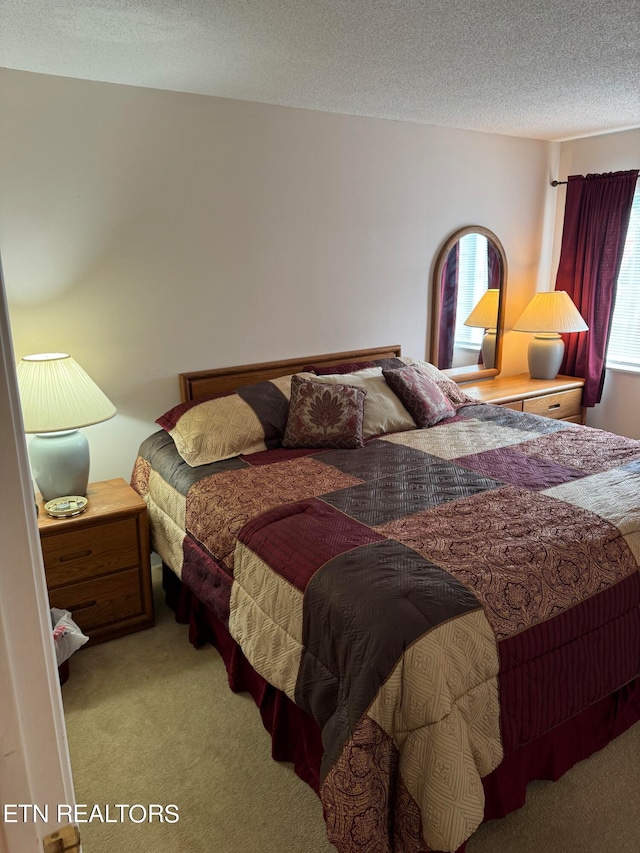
point(564, 404)
point(90, 551)
point(101, 601)
point(516, 405)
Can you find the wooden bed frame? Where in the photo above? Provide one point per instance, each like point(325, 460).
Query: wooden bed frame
point(207, 383)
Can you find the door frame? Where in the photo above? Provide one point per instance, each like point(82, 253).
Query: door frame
point(35, 768)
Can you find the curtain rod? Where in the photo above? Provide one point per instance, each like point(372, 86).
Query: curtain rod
point(558, 183)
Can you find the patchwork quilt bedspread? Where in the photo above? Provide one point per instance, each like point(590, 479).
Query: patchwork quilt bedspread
point(434, 600)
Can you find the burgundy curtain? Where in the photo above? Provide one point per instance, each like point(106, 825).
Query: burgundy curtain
point(596, 219)
point(493, 266)
point(493, 274)
point(448, 302)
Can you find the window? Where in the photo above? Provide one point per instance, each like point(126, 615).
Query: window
point(473, 275)
point(623, 349)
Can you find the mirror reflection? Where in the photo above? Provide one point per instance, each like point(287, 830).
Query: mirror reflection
point(469, 280)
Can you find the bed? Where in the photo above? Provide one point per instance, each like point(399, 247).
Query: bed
point(427, 619)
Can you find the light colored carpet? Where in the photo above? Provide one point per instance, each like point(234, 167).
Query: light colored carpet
point(152, 720)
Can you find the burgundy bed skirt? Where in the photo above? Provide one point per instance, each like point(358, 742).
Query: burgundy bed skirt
point(295, 737)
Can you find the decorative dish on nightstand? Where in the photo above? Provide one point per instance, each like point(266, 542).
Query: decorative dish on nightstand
point(66, 506)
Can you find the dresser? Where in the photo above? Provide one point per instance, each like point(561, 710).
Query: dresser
point(97, 563)
point(559, 398)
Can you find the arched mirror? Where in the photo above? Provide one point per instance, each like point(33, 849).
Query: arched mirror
point(468, 301)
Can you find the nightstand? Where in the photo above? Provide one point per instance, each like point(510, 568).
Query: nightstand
point(559, 398)
point(97, 563)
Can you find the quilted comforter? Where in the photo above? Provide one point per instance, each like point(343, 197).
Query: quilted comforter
point(434, 600)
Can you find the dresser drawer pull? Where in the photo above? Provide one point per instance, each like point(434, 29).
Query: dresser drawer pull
point(84, 606)
point(79, 555)
point(554, 406)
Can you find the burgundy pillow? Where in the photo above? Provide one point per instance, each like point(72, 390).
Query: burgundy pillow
point(421, 396)
point(327, 416)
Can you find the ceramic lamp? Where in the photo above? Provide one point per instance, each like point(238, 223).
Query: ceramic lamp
point(485, 316)
point(58, 398)
point(546, 315)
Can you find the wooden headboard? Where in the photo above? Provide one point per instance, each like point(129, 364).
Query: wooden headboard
point(206, 383)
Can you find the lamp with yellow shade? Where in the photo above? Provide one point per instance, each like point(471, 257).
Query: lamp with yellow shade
point(546, 315)
point(485, 316)
point(58, 398)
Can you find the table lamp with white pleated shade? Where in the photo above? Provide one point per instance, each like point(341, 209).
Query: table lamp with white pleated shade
point(58, 397)
point(485, 316)
point(547, 314)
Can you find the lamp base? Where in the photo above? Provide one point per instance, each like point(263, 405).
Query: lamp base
point(545, 355)
point(60, 463)
point(489, 348)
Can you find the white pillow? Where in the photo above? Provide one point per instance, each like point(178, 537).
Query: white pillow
point(383, 411)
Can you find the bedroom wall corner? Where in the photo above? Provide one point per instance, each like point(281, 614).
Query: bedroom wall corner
point(520, 292)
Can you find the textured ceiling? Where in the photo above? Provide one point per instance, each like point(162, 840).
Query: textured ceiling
point(550, 69)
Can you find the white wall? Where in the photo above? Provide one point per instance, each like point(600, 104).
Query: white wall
point(619, 409)
point(151, 232)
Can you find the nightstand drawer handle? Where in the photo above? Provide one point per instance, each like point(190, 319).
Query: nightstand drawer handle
point(554, 406)
point(77, 556)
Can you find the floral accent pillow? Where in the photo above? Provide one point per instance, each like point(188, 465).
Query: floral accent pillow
point(450, 388)
point(383, 410)
point(421, 395)
point(327, 416)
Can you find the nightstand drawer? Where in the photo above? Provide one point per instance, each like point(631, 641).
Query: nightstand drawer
point(97, 564)
point(101, 601)
point(90, 551)
point(564, 404)
point(517, 405)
